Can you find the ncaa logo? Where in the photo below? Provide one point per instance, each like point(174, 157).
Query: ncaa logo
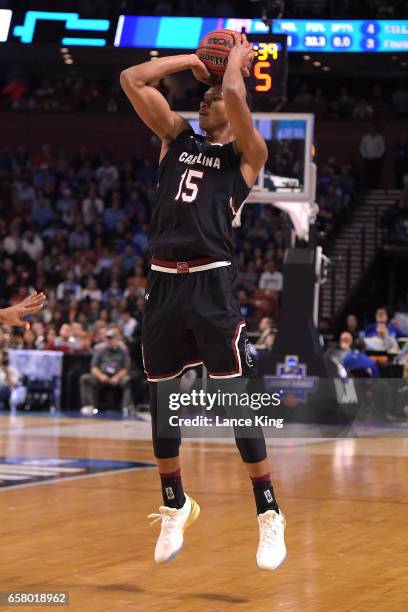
point(248, 356)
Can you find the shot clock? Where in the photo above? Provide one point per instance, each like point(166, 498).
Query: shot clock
point(269, 70)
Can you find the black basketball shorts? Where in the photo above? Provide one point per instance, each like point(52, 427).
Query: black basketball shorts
point(194, 318)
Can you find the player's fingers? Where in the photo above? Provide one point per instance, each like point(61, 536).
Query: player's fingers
point(34, 298)
point(31, 309)
point(237, 39)
point(34, 301)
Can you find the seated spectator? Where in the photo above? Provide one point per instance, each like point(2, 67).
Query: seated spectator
point(363, 110)
point(50, 339)
point(109, 367)
point(69, 288)
point(245, 306)
point(29, 340)
point(9, 379)
point(65, 202)
point(79, 238)
point(344, 347)
point(352, 326)
point(91, 291)
point(271, 278)
point(76, 338)
point(32, 244)
point(62, 341)
point(92, 206)
point(382, 341)
point(263, 356)
point(356, 359)
point(113, 290)
point(107, 174)
point(11, 240)
point(381, 316)
point(42, 213)
point(127, 324)
point(113, 214)
point(265, 328)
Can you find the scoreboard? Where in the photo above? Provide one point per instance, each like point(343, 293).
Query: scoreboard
point(344, 36)
point(269, 69)
point(140, 31)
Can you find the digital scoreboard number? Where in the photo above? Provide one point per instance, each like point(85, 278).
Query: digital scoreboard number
point(269, 70)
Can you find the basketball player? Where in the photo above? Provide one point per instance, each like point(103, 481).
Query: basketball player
point(191, 311)
point(13, 314)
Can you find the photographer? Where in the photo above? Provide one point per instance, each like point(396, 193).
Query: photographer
point(109, 368)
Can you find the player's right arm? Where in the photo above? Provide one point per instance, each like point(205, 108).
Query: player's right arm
point(149, 103)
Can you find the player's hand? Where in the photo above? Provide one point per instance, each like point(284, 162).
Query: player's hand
point(201, 72)
point(243, 53)
point(14, 314)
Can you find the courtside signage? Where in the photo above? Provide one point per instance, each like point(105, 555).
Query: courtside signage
point(28, 471)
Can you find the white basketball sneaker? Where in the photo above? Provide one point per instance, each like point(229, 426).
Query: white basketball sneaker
point(173, 524)
point(271, 549)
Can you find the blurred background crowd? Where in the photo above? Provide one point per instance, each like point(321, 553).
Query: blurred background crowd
point(349, 99)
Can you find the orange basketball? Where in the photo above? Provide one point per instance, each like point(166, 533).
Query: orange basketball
point(214, 49)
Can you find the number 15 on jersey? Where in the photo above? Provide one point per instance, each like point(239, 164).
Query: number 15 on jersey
point(188, 188)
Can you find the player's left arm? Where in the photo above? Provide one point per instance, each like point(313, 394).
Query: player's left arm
point(249, 142)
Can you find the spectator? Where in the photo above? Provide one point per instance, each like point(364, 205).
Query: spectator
point(271, 278)
point(79, 238)
point(42, 214)
point(245, 306)
point(264, 327)
point(69, 288)
point(127, 324)
point(372, 150)
point(110, 366)
point(11, 240)
point(113, 290)
point(356, 359)
point(9, 379)
point(91, 291)
point(106, 175)
point(344, 347)
point(264, 362)
point(92, 206)
point(32, 244)
point(381, 316)
point(352, 326)
point(50, 338)
point(363, 110)
point(382, 341)
point(60, 342)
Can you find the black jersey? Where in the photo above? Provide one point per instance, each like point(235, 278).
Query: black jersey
point(200, 190)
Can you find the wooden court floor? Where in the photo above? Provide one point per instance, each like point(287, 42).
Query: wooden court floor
point(346, 504)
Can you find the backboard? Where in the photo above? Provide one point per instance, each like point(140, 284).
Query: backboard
point(287, 175)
